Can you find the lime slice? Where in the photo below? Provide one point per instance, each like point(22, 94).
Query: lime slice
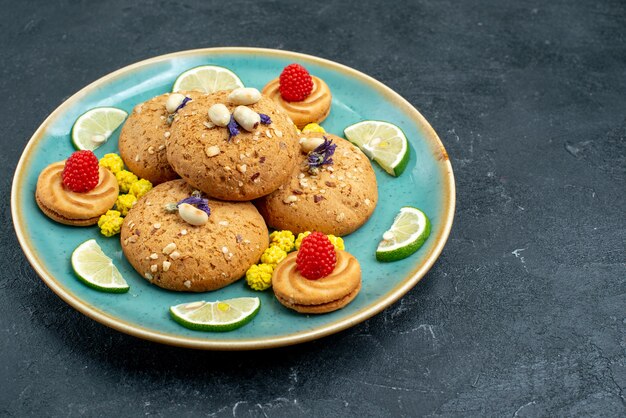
point(208, 79)
point(225, 315)
point(94, 127)
point(411, 227)
point(96, 270)
point(383, 142)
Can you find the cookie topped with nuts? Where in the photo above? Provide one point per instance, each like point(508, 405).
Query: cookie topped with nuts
point(233, 145)
point(145, 134)
point(178, 239)
point(332, 189)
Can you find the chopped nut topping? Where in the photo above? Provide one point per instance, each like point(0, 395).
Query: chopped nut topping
point(290, 199)
point(322, 191)
point(268, 133)
point(154, 256)
point(151, 150)
point(175, 255)
point(183, 232)
point(156, 225)
point(147, 275)
point(161, 147)
point(367, 202)
point(223, 223)
point(278, 133)
point(212, 151)
point(225, 250)
point(208, 124)
point(301, 175)
point(169, 248)
point(137, 158)
point(341, 217)
point(154, 268)
point(167, 134)
point(187, 283)
point(242, 168)
point(240, 183)
point(166, 265)
point(242, 156)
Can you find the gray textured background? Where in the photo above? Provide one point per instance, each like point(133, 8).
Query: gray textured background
point(523, 314)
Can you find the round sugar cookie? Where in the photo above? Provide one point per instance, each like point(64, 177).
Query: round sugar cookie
point(71, 208)
point(244, 167)
point(337, 200)
point(144, 137)
point(319, 296)
point(314, 109)
point(172, 254)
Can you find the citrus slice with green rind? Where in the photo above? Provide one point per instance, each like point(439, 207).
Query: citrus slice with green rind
point(207, 79)
point(94, 127)
point(94, 268)
point(225, 315)
point(381, 141)
point(410, 229)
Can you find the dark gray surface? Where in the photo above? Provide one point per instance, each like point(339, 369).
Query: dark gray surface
point(524, 314)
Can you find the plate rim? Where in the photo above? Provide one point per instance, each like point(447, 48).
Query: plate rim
point(393, 295)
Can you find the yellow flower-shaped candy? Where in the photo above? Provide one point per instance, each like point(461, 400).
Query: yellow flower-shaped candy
point(301, 236)
point(113, 162)
point(273, 255)
point(259, 276)
point(124, 202)
point(140, 188)
point(313, 127)
point(110, 223)
point(283, 240)
point(125, 179)
point(337, 242)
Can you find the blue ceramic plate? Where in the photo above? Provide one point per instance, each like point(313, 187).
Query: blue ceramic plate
point(428, 183)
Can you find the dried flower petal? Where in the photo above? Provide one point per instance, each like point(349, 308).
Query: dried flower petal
point(265, 120)
point(183, 103)
point(233, 127)
point(198, 202)
point(322, 155)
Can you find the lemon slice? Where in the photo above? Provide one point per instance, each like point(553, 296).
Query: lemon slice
point(94, 127)
point(96, 270)
point(225, 315)
point(383, 142)
point(411, 227)
point(208, 79)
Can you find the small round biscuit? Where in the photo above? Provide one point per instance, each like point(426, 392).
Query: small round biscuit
point(244, 167)
point(71, 208)
point(144, 137)
point(315, 108)
point(337, 200)
point(317, 296)
point(175, 255)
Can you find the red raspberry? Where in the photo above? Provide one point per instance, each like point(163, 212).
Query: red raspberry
point(81, 172)
point(295, 83)
point(317, 256)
